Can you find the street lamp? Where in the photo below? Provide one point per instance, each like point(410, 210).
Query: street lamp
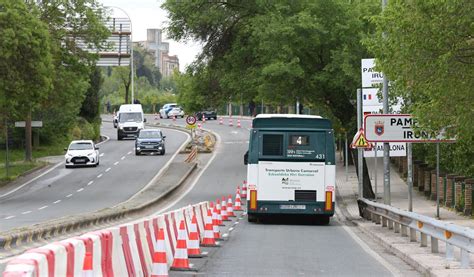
point(131, 47)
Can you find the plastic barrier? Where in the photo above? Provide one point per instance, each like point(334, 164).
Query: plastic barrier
point(127, 250)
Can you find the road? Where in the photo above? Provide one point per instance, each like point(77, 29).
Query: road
point(65, 192)
point(285, 247)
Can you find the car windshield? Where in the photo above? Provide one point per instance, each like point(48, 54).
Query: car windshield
point(176, 109)
point(150, 134)
point(81, 146)
point(130, 117)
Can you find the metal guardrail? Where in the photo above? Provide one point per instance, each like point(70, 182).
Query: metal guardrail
point(409, 223)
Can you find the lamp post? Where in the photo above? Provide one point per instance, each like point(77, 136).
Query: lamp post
point(131, 49)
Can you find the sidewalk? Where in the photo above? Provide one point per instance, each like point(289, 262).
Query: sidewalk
point(433, 264)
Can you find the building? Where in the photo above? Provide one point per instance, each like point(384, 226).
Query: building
point(159, 49)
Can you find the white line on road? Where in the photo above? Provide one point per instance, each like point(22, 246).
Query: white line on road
point(56, 202)
point(9, 217)
point(27, 212)
point(81, 189)
point(90, 183)
point(69, 195)
point(123, 158)
point(129, 153)
point(101, 154)
point(214, 153)
point(108, 169)
point(100, 175)
point(44, 207)
point(231, 229)
point(225, 235)
point(116, 163)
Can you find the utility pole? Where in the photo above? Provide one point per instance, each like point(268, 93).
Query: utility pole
point(360, 153)
point(386, 145)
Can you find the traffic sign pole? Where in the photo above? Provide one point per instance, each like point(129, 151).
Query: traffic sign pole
point(359, 151)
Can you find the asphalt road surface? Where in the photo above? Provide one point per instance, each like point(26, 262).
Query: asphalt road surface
point(284, 246)
point(64, 192)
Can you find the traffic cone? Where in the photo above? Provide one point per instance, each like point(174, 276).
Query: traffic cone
point(156, 116)
point(230, 207)
point(221, 121)
point(244, 190)
point(199, 126)
point(208, 239)
point(217, 210)
point(87, 266)
point(159, 266)
point(238, 123)
point(203, 119)
point(193, 247)
point(231, 122)
point(215, 224)
point(238, 202)
point(224, 210)
point(174, 118)
point(181, 261)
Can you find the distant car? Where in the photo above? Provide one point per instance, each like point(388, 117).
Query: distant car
point(207, 114)
point(166, 109)
point(177, 112)
point(82, 152)
point(150, 141)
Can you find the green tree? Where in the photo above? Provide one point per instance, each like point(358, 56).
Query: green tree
point(427, 53)
point(26, 69)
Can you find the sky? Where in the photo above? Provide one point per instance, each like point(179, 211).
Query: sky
point(147, 14)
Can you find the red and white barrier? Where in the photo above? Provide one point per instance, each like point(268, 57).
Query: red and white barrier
point(127, 250)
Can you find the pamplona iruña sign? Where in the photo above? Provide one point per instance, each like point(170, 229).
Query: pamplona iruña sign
point(397, 128)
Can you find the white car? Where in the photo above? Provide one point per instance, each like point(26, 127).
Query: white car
point(82, 152)
point(177, 112)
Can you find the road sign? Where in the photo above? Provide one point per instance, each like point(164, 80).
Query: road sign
point(191, 120)
point(370, 77)
point(22, 124)
point(397, 149)
point(360, 141)
point(397, 128)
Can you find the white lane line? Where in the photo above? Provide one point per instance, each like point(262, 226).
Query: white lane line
point(129, 153)
point(9, 217)
point(56, 202)
point(108, 169)
point(101, 154)
point(116, 163)
point(69, 195)
point(90, 183)
point(79, 190)
point(27, 212)
point(231, 229)
point(225, 235)
point(123, 158)
point(214, 153)
point(44, 207)
point(100, 175)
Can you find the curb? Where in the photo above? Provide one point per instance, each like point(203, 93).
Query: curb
point(52, 229)
point(421, 268)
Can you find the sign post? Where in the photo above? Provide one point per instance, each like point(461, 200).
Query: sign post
point(191, 124)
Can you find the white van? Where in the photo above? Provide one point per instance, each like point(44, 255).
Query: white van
point(130, 121)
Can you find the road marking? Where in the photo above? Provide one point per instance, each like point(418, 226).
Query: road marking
point(69, 195)
point(101, 154)
point(225, 235)
point(116, 163)
point(56, 202)
point(129, 153)
point(100, 175)
point(368, 250)
point(90, 183)
point(108, 169)
point(44, 207)
point(231, 229)
point(9, 217)
point(214, 154)
point(81, 189)
point(123, 158)
point(27, 212)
